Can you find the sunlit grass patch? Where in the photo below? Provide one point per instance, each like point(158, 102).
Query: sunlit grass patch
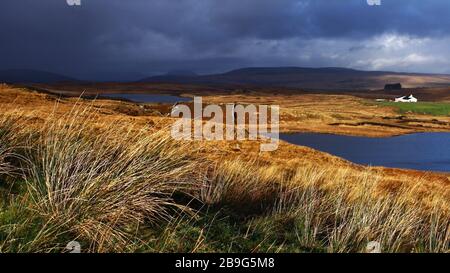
point(341, 218)
point(428, 108)
point(115, 187)
point(98, 184)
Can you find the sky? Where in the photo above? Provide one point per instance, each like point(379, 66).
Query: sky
point(133, 39)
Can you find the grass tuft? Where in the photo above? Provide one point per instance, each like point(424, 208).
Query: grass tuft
point(118, 188)
point(98, 184)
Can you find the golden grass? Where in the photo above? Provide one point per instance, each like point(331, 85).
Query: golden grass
point(4, 135)
point(100, 179)
point(338, 218)
point(98, 184)
point(8, 139)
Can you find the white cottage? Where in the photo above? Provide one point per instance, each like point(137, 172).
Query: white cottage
point(409, 98)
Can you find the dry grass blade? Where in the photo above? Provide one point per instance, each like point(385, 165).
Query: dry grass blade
point(100, 182)
point(343, 218)
point(8, 141)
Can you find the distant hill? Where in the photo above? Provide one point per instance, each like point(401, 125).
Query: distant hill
point(328, 78)
point(174, 76)
point(309, 78)
point(185, 73)
point(32, 76)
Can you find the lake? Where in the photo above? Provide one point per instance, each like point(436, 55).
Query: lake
point(147, 98)
point(423, 151)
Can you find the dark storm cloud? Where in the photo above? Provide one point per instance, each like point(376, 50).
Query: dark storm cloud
point(107, 39)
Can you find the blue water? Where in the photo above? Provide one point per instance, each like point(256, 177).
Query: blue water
point(424, 151)
point(147, 98)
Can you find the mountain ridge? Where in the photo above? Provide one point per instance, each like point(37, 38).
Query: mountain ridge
point(336, 78)
point(33, 76)
point(304, 77)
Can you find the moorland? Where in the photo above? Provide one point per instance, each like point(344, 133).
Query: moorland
point(107, 174)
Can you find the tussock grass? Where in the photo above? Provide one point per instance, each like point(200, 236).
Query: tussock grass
point(343, 218)
point(7, 142)
point(118, 188)
point(98, 184)
point(249, 191)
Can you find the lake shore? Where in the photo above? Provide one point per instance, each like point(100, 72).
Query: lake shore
point(350, 113)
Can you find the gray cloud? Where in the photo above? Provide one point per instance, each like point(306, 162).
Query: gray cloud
point(116, 39)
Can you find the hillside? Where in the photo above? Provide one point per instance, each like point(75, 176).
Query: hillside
point(32, 76)
point(145, 192)
point(311, 78)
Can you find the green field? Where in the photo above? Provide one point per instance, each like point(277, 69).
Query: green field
point(430, 108)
